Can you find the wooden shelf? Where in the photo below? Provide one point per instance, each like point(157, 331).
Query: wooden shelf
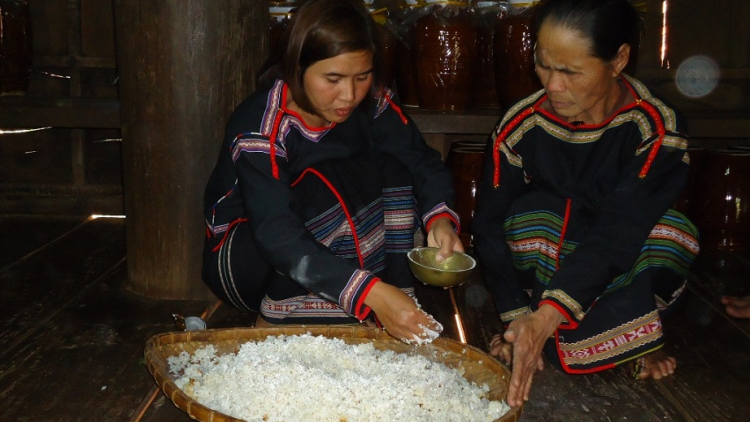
point(701, 123)
point(472, 122)
point(25, 112)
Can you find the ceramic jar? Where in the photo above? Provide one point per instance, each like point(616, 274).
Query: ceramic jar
point(465, 160)
point(406, 86)
point(15, 47)
point(488, 13)
point(445, 54)
point(388, 45)
point(514, 55)
point(721, 209)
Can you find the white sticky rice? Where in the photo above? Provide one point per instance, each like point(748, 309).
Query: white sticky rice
point(308, 378)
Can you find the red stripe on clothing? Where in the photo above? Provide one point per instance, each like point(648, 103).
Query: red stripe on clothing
point(501, 138)
point(361, 311)
point(343, 207)
point(571, 325)
point(397, 109)
point(660, 130)
point(226, 233)
point(440, 215)
point(562, 233)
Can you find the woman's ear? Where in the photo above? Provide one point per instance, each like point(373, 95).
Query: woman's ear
point(621, 59)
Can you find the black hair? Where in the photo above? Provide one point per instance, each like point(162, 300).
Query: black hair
point(608, 24)
point(319, 30)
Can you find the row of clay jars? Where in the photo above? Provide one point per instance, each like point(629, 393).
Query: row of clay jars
point(454, 64)
point(450, 62)
point(717, 197)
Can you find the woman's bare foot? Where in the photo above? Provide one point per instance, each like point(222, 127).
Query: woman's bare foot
point(738, 307)
point(654, 365)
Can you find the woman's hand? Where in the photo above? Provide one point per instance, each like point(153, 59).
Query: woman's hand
point(400, 315)
point(443, 236)
point(527, 335)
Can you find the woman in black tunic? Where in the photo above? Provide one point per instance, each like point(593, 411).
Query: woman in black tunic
point(321, 185)
point(573, 224)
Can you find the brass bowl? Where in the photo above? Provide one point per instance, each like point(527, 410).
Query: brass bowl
point(448, 273)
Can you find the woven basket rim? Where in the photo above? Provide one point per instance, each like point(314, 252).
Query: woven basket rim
point(157, 361)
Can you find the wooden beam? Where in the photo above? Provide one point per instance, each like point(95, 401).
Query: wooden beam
point(23, 112)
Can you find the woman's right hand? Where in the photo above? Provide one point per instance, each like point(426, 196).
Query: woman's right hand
point(526, 335)
point(400, 315)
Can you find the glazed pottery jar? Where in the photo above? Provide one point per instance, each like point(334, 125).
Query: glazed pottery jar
point(403, 21)
point(388, 44)
point(445, 54)
point(514, 55)
point(15, 47)
point(485, 91)
point(465, 160)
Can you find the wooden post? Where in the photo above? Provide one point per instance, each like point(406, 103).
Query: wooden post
point(183, 66)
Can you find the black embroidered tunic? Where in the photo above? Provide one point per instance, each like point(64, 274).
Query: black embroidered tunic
point(579, 216)
point(328, 211)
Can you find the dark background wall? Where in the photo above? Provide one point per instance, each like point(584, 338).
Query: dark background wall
point(74, 165)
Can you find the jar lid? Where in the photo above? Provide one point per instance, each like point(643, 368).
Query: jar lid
point(522, 3)
point(280, 10)
point(447, 1)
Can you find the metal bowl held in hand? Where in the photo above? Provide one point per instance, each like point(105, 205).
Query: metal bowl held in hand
point(448, 273)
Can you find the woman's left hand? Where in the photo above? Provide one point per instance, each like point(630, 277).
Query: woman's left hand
point(443, 236)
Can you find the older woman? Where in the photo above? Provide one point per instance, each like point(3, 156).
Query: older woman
point(321, 184)
point(573, 223)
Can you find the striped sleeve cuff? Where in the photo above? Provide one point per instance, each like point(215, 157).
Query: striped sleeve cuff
point(352, 299)
point(572, 317)
point(440, 211)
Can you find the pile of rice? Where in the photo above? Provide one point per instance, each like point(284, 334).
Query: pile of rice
point(314, 378)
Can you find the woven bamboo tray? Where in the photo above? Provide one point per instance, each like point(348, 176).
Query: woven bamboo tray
point(478, 366)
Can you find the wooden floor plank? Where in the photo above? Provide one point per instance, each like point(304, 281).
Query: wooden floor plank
point(86, 363)
point(35, 289)
point(23, 234)
point(77, 334)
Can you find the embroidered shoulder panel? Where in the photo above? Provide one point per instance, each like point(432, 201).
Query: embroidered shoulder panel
point(381, 100)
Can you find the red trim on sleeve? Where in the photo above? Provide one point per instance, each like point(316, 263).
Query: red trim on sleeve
point(571, 325)
point(441, 215)
point(361, 311)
